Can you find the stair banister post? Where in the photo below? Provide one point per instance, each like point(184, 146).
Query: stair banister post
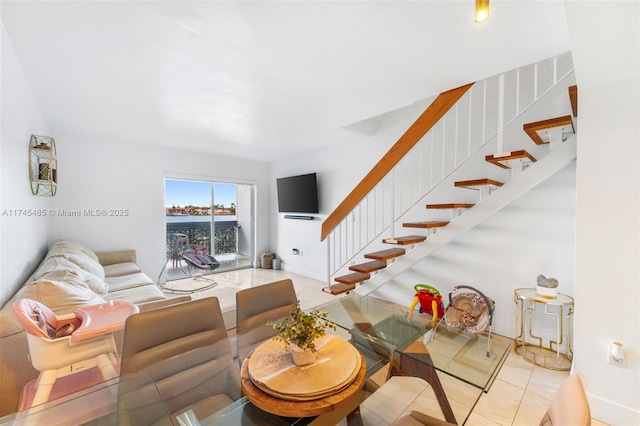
point(500, 111)
point(392, 239)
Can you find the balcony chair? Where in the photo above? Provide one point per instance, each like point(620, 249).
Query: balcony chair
point(569, 406)
point(185, 350)
point(54, 351)
point(257, 305)
point(180, 243)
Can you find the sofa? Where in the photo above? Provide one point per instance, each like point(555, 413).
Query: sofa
point(70, 276)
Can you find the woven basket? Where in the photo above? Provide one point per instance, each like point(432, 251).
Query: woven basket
point(266, 260)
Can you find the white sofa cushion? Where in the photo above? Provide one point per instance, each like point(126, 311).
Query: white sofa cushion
point(120, 269)
point(61, 291)
point(128, 281)
point(59, 263)
point(81, 259)
point(69, 246)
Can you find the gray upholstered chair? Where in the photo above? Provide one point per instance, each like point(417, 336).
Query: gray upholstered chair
point(186, 351)
point(568, 407)
point(257, 305)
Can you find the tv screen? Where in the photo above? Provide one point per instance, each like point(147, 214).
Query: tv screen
point(297, 194)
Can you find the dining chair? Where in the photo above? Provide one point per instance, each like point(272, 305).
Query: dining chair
point(186, 351)
point(257, 305)
point(569, 406)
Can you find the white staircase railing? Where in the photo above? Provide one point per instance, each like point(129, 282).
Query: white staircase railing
point(480, 117)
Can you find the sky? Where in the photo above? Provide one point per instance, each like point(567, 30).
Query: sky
point(184, 192)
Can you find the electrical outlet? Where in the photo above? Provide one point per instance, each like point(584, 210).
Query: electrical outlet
point(301, 252)
point(619, 362)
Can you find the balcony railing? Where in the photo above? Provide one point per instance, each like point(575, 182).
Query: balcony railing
point(225, 239)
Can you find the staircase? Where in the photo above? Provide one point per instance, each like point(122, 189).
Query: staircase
point(525, 170)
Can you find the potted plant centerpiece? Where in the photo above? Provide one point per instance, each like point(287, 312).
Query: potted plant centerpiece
point(299, 331)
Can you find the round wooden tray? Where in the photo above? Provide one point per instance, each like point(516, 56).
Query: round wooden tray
point(288, 408)
point(271, 369)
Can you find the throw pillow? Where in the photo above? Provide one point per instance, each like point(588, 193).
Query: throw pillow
point(61, 291)
point(57, 263)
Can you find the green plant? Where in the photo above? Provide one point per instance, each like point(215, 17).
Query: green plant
point(301, 328)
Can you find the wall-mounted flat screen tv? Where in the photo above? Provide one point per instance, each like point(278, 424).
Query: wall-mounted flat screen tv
point(297, 194)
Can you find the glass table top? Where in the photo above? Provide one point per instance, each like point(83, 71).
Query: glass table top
point(387, 329)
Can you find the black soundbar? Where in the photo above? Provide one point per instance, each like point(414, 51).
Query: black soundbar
point(291, 216)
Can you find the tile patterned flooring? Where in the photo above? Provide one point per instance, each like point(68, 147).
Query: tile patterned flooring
point(519, 396)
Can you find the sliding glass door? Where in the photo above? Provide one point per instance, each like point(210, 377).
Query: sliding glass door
point(214, 218)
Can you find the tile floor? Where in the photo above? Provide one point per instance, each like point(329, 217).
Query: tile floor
point(519, 396)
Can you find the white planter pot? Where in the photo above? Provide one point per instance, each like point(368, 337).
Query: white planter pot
point(302, 356)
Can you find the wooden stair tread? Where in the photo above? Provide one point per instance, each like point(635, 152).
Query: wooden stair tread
point(341, 288)
point(367, 267)
point(450, 206)
point(405, 240)
point(428, 224)
point(477, 182)
point(353, 279)
point(573, 97)
point(508, 156)
point(385, 254)
point(538, 130)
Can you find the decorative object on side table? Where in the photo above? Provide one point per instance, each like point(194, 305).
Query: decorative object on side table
point(299, 331)
point(547, 287)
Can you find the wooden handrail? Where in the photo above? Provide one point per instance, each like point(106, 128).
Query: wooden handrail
point(412, 136)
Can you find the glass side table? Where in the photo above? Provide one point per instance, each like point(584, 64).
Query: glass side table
point(541, 345)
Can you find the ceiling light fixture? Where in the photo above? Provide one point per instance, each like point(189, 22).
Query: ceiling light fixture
point(482, 11)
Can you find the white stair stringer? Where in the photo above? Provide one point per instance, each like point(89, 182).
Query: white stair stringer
point(538, 172)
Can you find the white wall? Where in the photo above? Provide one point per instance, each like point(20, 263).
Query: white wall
point(339, 168)
point(533, 235)
point(24, 238)
point(96, 174)
point(606, 48)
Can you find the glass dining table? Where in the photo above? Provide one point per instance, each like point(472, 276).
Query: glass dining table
point(391, 341)
point(388, 337)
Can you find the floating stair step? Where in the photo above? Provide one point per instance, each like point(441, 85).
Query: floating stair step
point(353, 279)
point(477, 182)
point(341, 288)
point(502, 160)
point(573, 97)
point(541, 131)
point(426, 225)
point(368, 267)
point(385, 254)
point(405, 240)
point(449, 206)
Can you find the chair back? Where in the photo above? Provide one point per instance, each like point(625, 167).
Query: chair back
point(186, 351)
point(257, 305)
point(569, 406)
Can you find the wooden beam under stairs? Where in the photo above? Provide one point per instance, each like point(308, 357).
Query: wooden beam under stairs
point(339, 288)
point(472, 184)
point(543, 132)
point(353, 279)
point(426, 225)
point(405, 240)
point(385, 254)
point(446, 206)
point(573, 97)
point(368, 267)
point(503, 160)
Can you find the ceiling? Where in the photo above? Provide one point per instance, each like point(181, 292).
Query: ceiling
point(260, 80)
